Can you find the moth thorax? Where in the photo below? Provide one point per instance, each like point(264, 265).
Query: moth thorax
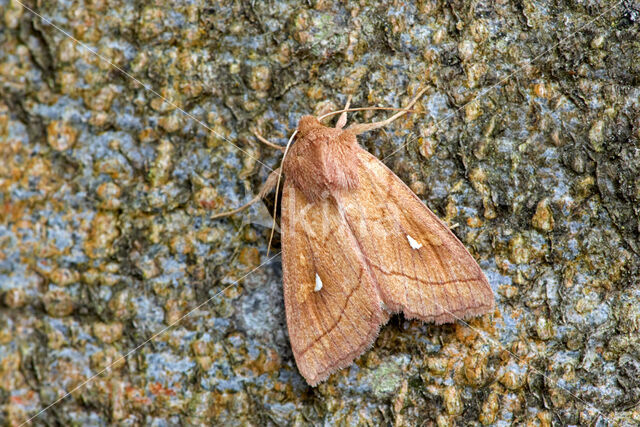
point(323, 162)
point(307, 124)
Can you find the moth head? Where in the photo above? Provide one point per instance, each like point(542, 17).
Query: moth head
point(307, 124)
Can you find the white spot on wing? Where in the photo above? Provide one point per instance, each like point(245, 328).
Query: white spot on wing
point(318, 283)
point(413, 242)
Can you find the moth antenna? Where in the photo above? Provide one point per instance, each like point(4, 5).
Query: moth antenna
point(359, 128)
point(348, 110)
point(235, 211)
point(275, 203)
point(267, 142)
point(264, 190)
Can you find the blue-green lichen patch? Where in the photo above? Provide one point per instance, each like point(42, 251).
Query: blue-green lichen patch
point(386, 379)
point(108, 185)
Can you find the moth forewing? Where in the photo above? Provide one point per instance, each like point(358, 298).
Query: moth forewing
point(422, 258)
point(314, 218)
point(330, 327)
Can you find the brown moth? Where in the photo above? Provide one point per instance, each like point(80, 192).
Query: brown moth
point(357, 246)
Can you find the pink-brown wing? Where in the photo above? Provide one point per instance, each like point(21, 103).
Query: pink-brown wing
point(419, 266)
point(333, 308)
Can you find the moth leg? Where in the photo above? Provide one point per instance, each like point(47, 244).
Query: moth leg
point(267, 142)
point(343, 117)
point(358, 128)
point(266, 188)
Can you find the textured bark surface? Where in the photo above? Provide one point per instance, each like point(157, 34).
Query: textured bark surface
point(106, 193)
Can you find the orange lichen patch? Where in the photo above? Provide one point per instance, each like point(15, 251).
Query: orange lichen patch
point(249, 256)
point(109, 358)
point(182, 243)
point(513, 379)
point(207, 198)
point(470, 333)
point(204, 362)
point(9, 148)
point(60, 135)
point(136, 397)
point(508, 291)
point(11, 211)
point(452, 400)
point(4, 119)
point(200, 348)
point(147, 135)
point(545, 418)
point(100, 100)
point(14, 298)
point(64, 276)
point(173, 310)
point(67, 374)
point(541, 90)
point(490, 407)
point(121, 304)
point(58, 303)
point(191, 89)
point(171, 123)
point(37, 173)
point(159, 389)
point(118, 400)
point(108, 332)
point(10, 376)
point(228, 404)
point(475, 369)
point(267, 361)
point(104, 230)
point(30, 397)
point(161, 168)
point(475, 222)
point(513, 402)
point(109, 193)
point(437, 365)
point(543, 218)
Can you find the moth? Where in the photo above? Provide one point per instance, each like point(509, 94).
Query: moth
point(357, 246)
